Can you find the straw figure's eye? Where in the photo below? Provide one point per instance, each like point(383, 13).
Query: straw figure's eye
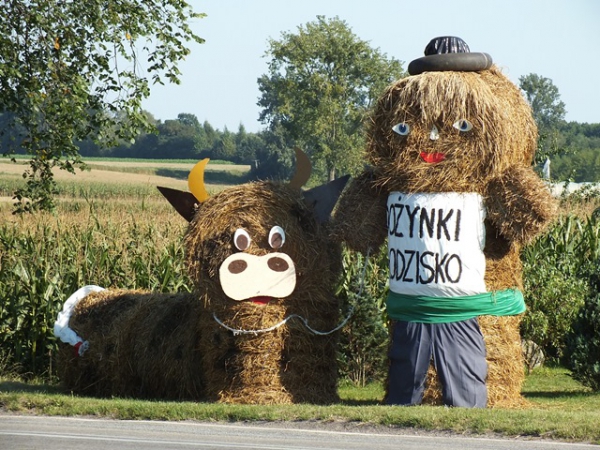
point(276, 237)
point(401, 128)
point(463, 125)
point(241, 239)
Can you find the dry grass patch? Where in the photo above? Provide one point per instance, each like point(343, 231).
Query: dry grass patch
point(100, 176)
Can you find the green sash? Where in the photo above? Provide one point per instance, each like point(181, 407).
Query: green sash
point(424, 309)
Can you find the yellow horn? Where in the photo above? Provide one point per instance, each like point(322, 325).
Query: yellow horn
point(196, 181)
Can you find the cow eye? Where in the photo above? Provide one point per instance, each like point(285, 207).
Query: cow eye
point(463, 125)
point(241, 239)
point(401, 128)
point(276, 237)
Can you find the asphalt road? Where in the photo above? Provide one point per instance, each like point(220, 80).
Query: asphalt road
point(54, 433)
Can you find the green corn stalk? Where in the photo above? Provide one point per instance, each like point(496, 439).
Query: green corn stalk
point(42, 264)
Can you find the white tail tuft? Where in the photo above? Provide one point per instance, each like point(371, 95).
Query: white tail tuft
point(61, 326)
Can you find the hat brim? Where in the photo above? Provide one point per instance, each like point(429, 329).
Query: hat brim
point(458, 62)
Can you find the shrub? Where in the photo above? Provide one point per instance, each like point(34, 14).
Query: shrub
point(554, 294)
point(583, 344)
point(364, 340)
point(556, 271)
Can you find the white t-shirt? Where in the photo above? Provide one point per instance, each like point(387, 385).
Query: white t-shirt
point(435, 243)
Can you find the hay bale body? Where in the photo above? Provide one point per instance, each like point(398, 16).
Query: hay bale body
point(181, 346)
point(141, 345)
point(492, 159)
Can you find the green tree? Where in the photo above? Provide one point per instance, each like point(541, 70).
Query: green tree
point(543, 96)
point(180, 138)
point(548, 111)
point(70, 71)
point(209, 137)
point(275, 158)
point(189, 120)
point(224, 147)
point(246, 146)
point(320, 83)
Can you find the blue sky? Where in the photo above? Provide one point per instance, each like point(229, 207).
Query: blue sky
point(556, 39)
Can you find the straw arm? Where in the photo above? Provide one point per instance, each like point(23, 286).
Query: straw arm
point(361, 215)
point(520, 204)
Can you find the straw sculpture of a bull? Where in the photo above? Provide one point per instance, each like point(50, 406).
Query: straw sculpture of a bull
point(260, 325)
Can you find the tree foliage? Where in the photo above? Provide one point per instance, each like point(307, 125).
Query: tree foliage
point(581, 159)
point(321, 80)
point(71, 71)
point(544, 98)
point(548, 111)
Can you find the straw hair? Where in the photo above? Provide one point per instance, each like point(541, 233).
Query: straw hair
point(503, 133)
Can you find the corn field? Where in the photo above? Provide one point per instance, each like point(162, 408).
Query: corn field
point(45, 258)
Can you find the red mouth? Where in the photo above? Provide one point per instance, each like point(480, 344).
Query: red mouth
point(432, 158)
point(262, 300)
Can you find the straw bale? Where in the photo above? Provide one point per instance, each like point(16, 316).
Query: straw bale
point(506, 366)
point(519, 202)
point(433, 388)
point(142, 345)
point(360, 219)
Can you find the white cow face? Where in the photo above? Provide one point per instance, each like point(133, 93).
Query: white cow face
point(248, 277)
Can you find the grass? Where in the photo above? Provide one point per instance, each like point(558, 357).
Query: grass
point(560, 408)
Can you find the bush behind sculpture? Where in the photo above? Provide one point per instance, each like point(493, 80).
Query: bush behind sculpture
point(556, 277)
point(583, 343)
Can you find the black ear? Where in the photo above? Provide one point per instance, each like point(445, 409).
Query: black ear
point(323, 198)
point(184, 202)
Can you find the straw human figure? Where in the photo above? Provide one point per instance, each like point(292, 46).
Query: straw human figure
point(451, 187)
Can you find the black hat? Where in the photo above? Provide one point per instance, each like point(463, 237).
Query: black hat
point(449, 53)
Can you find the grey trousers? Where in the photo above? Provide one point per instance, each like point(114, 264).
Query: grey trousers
point(458, 352)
